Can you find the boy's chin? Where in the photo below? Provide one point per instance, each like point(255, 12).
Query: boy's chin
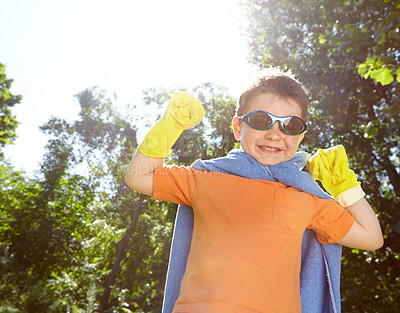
point(272, 161)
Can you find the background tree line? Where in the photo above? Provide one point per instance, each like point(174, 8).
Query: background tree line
point(74, 238)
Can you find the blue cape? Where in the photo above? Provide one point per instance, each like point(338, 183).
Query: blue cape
point(320, 263)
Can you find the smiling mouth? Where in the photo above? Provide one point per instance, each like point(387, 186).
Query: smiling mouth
point(269, 149)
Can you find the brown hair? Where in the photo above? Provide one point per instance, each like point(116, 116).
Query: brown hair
point(274, 80)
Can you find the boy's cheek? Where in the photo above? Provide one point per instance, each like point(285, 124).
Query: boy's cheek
point(294, 142)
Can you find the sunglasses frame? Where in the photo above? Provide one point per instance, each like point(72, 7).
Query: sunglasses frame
point(280, 119)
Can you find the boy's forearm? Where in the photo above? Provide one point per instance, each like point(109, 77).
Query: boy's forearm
point(140, 174)
point(366, 232)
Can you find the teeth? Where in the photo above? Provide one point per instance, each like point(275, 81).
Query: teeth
point(269, 149)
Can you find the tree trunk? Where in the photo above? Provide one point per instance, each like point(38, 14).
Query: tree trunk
point(104, 305)
point(387, 165)
point(394, 177)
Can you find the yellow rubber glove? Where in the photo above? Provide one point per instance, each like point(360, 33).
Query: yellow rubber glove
point(331, 167)
point(184, 111)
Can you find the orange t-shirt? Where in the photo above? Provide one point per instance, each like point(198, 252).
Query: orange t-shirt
point(246, 248)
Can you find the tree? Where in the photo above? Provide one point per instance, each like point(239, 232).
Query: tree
point(100, 143)
point(8, 122)
point(42, 220)
point(40, 236)
point(325, 41)
point(382, 24)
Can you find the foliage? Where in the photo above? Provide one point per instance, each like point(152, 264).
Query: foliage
point(378, 71)
point(380, 20)
point(55, 257)
point(325, 41)
point(8, 122)
point(220, 109)
point(101, 143)
point(36, 236)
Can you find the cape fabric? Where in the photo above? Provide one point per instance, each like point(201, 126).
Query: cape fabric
point(320, 263)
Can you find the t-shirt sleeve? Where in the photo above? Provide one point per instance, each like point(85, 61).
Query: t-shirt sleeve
point(174, 184)
point(330, 221)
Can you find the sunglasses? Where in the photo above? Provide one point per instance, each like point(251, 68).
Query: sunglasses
point(262, 120)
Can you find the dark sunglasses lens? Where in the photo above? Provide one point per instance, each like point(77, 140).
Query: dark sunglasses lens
point(293, 125)
point(260, 120)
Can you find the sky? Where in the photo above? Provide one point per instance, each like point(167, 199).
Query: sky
point(54, 49)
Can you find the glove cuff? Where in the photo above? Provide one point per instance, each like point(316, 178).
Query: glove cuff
point(350, 196)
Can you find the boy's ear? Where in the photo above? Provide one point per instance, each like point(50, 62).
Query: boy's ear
point(236, 127)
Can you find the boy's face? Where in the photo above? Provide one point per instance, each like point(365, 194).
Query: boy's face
point(271, 146)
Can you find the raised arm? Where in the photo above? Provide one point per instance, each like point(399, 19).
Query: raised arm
point(365, 233)
point(330, 166)
point(183, 112)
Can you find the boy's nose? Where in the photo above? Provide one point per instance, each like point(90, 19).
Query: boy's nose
point(274, 132)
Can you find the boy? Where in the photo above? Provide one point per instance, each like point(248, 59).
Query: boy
point(246, 248)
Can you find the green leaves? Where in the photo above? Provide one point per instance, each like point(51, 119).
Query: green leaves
point(378, 71)
point(322, 39)
point(8, 122)
point(382, 75)
point(371, 129)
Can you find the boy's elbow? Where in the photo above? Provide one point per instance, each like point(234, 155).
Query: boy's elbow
point(129, 181)
point(141, 184)
point(379, 243)
point(375, 243)
point(368, 245)
point(140, 173)
point(132, 176)
point(364, 239)
point(132, 181)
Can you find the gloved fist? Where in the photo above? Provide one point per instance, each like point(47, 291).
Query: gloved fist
point(184, 111)
point(330, 166)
